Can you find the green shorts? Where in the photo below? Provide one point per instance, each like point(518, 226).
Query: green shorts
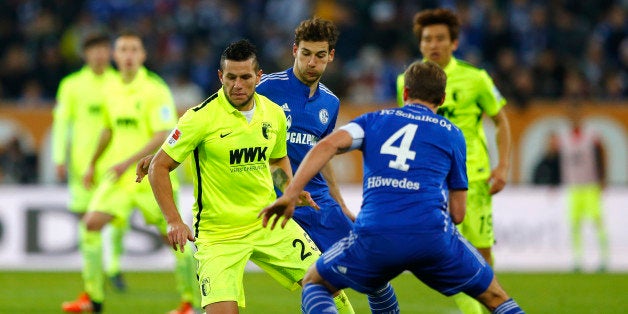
point(79, 195)
point(120, 197)
point(477, 226)
point(585, 201)
point(285, 254)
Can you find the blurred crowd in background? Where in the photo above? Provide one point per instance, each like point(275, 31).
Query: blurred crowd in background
point(548, 49)
point(556, 49)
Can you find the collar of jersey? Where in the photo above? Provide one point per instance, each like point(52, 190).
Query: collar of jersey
point(418, 106)
point(141, 75)
point(224, 103)
point(305, 90)
point(108, 72)
point(451, 66)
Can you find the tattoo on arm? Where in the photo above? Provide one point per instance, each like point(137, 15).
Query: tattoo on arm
point(280, 179)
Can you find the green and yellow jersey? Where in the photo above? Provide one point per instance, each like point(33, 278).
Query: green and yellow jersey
point(135, 112)
point(470, 93)
point(78, 117)
point(231, 156)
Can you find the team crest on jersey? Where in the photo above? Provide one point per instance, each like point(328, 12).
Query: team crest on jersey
point(166, 114)
point(205, 287)
point(266, 127)
point(288, 122)
point(174, 137)
point(323, 115)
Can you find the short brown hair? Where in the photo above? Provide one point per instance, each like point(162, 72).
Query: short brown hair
point(317, 29)
point(425, 81)
point(436, 16)
point(95, 39)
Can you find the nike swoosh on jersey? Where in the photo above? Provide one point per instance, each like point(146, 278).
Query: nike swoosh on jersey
point(224, 134)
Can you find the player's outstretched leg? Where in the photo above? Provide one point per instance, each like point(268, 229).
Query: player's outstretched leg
point(315, 299)
point(384, 300)
point(497, 301)
point(343, 305)
point(118, 230)
point(91, 248)
point(187, 284)
point(467, 304)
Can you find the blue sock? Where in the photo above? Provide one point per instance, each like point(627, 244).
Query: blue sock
point(508, 307)
point(316, 299)
point(384, 301)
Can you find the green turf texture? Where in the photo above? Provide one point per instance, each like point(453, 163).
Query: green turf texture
point(150, 292)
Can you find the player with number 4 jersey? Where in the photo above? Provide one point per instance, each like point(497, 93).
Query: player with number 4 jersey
point(410, 156)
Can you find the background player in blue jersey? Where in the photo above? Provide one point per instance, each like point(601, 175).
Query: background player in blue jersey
point(410, 155)
point(311, 111)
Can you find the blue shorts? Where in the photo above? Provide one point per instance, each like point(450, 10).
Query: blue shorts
point(446, 262)
point(325, 226)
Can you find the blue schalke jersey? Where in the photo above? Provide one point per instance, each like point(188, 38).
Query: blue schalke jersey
point(411, 156)
point(308, 119)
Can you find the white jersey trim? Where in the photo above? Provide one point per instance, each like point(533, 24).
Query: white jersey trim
point(356, 132)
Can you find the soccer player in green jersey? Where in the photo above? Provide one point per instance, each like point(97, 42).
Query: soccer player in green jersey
point(138, 114)
point(470, 94)
point(237, 139)
point(77, 121)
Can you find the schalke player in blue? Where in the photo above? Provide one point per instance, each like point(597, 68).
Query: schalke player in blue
point(410, 156)
point(311, 110)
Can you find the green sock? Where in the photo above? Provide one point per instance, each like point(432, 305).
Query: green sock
point(467, 304)
point(343, 304)
point(602, 239)
point(576, 240)
point(91, 247)
point(117, 248)
point(185, 275)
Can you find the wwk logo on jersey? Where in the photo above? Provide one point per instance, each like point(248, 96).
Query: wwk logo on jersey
point(174, 137)
point(247, 155)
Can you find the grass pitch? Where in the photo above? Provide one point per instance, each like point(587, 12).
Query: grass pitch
point(150, 292)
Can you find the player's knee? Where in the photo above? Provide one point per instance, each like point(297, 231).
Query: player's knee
point(493, 296)
point(94, 222)
point(311, 276)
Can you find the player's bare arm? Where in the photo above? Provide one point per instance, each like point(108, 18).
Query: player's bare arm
point(150, 147)
point(499, 174)
point(457, 205)
point(141, 169)
point(282, 174)
point(334, 190)
point(314, 160)
point(103, 142)
point(159, 177)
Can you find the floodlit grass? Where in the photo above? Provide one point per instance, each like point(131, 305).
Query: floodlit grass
point(43, 292)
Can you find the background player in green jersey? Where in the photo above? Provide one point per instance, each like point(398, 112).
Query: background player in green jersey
point(237, 139)
point(77, 122)
point(138, 114)
point(470, 94)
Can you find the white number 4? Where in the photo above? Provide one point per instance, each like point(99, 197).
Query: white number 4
point(402, 152)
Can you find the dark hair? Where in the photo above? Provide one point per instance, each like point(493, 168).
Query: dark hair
point(128, 32)
point(317, 29)
point(96, 39)
point(240, 50)
point(425, 81)
point(436, 16)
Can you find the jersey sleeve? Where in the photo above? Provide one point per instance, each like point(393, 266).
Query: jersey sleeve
point(62, 115)
point(457, 177)
point(489, 96)
point(185, 137)
point(281, 146)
